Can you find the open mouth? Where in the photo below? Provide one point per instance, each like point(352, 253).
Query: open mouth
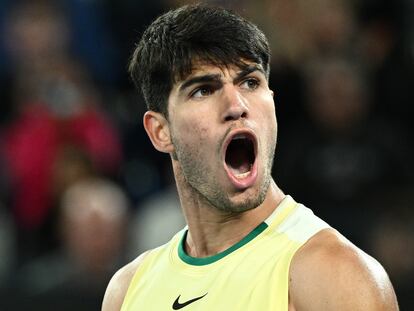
point(240, 158)
point(240, 155)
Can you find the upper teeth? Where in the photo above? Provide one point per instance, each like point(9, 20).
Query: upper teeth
point(239, 136)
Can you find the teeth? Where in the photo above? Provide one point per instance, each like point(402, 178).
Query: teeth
point(239, 136)
point(243, 175)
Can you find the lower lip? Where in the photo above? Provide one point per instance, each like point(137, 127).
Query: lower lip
point(245, 182)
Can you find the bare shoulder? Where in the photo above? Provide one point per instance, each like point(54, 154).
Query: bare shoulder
point(118, 286)
point(331, 273)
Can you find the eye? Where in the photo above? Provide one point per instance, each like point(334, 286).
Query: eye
point(201, 91)
point(250, 84)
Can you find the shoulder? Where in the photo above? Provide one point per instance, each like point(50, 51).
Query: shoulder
point(118, 286)
point(330, 273)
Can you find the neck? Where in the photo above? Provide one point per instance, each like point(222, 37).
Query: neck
point(210, 230)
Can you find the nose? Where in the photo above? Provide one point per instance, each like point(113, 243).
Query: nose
point(235, 105)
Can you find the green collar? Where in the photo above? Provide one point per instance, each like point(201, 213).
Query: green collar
point(208, 260)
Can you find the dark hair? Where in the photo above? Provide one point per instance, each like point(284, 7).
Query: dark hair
point(170, 45)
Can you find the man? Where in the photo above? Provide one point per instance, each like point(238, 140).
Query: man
point(248, 246)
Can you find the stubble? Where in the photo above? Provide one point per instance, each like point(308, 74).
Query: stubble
point(203, 181)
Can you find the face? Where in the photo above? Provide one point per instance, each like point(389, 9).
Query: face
point(223, 129)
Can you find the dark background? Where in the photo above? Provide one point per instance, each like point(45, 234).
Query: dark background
point(82, 191)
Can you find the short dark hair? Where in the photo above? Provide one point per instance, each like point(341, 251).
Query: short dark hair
point(174, 41)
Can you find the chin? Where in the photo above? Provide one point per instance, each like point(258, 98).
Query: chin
point(245, 200)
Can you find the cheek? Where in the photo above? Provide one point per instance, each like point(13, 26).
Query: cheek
point(269, 103)
point(266, 108)
point(195, 122)
point(193, 134)
point(268, 122)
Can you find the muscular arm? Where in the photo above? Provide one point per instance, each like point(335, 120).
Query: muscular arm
point(330, 273)
point(118, 286)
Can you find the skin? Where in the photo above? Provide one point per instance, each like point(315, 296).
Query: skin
point(204, 110)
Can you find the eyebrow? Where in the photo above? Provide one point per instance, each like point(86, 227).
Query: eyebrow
point(208, 78)
point(248, 70)
point(200, 79)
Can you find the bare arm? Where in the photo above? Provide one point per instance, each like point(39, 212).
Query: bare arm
point(118, 286)
point(330, 273)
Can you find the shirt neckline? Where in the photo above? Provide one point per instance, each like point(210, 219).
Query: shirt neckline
point(278, 216)
point(195, 261)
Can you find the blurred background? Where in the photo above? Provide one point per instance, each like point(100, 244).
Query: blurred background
point(82, 191)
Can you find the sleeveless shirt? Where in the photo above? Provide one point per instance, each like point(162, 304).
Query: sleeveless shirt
point(251, 275)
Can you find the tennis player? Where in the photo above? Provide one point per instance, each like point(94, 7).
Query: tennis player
point(247, 245)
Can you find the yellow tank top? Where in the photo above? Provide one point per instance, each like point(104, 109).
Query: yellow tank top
point(252, 275)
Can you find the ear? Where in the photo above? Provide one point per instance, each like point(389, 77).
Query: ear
point(157, 128)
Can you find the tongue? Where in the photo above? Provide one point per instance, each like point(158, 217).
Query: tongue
point(239, 163)
point(242, 168)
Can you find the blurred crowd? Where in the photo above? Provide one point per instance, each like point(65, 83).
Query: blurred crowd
point(82, 191)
